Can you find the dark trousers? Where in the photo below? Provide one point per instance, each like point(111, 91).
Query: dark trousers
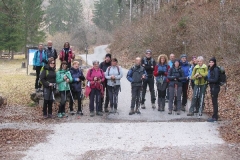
point(106, 102)
point(64, 96)
point(135, 96)
point(215, 89)
point(47, 107)
point(150, 83)
point(37, 84)
point(95, 95)
point(184, 93)
point(174, 92)
point(78, 97)
point(198, 98)
point(113, 95)
point(192, 83)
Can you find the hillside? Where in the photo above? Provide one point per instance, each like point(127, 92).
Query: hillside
point(209, 29)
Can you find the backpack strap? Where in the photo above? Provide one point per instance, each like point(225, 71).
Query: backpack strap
point(117, 69)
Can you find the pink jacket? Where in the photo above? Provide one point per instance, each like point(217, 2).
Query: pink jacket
point(71, 56)
point(95, 73)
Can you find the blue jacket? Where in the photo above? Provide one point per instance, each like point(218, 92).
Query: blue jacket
point(78, 77)
point(185, 67)
point(161, 68)
point(135, 75)
point(170, 63)
point(36, 58)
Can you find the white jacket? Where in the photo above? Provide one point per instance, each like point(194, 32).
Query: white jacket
point(113, 71)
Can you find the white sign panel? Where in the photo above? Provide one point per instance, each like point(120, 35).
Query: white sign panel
point(31, 55)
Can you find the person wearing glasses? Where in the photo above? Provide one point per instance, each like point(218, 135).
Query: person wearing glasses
point(96, 78)
point(63, 78)
point(48, 79)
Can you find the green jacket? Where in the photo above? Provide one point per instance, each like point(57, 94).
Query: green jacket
point(62, 85)
point(203, 71)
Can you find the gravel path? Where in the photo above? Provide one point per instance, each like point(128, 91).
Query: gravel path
point(156, 135)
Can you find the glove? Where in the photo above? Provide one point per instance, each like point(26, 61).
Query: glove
point(82, 78)
point(76, 79)
point(160, 73)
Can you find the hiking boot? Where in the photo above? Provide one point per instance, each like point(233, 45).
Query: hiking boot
point(112, 110)
point(99, 113)
point(59, 115)
point(72, 112)
point(162, 109)
point(159, 108)
point(183, 108)
point(153, 106)
point(190, 114)
point(131, 111)
point(50, 116)
point(169, 112)
point(80, 113)
point(106, 110)
point(45, 116)
point(211, 120)
point(175, 108)
point(143, 106)
point(196, 111)
point(137, 111)
point(178, 112)
point(92, 114)
point(63, 114)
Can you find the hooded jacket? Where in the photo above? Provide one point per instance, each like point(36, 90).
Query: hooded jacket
point(104, 65)
point(113, 70)
point(175, 73)
point(51, 52)
point(135, 74)
point(36, 58)
point(203, 71)
point(149, 65)
point(161, 70)
point(77, 77)
point(47, 76)
point(185, 67)
point(95, 73)
point(213, 75)
point(62, 55)
point(62, 85)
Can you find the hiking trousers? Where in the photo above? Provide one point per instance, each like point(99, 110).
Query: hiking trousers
point(64, 96)
point(47, 107)
point(215, 89)
point(37, 84)
point(198, 95)
point(95, 96)
point(150, 83)
point(79, 99)
point(184, 93)
point(174, 92)
point(113, 95)
point(135, 96)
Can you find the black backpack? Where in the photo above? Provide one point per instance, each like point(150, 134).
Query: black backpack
point(222, 76)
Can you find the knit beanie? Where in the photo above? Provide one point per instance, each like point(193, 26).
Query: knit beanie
point(183, 55)
point(214, 60)
point(148, 51)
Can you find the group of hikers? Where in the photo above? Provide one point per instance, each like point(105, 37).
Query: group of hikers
point(172, 78)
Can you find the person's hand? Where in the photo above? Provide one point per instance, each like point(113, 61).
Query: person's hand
point(50, 84)
point(65, 77)
point(160, 73)
point(143, 76)
point(143, 65)
point(151, 66)
point(67, 80)
point(196, 75)
point(113, 77)
point(95, 79)
point(77, 79)
point(99, 81)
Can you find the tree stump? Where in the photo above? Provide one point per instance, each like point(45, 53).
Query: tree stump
point(38, 97)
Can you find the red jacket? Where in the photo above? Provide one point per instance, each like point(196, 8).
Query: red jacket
point(71, 55)
point(95, 73)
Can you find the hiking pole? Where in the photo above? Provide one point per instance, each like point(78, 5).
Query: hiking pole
point(71, 93)
point(140, 98)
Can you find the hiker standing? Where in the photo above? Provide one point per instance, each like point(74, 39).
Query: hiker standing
point(95, 77)
point(213, 79)
point(104, 65)
point(48, 79)
point(148, 63)
point(67, 54)
point(185, 81)
point(161, 72)
point(193, 64)
point(175, 76)
point(170, 63)
point(51, 52)
point(76, 86)
point(39, 60)
point(113, 75)
point(63, 78)
point(199, 75)
point(136, 75)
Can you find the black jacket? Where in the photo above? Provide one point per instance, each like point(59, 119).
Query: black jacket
point(149, 65)
point(48, 75)
point(213, 76)
point(104, 66)
point(173, 74)
point(51, 52)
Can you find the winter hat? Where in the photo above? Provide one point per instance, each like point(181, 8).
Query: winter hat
point(108, 55)
point(213, 59)
point(183, 55)
point(148, 51)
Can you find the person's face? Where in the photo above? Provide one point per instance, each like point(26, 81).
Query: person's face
point(183, 59)
point(52, 64)
point(64, 66)
point(40, 47)
point(114, 63)
point(49, 44)
point(176, 64)
point(195, 60)
point(138, 61)
point(76, 66)
point(96, 65)
point(211, 63)
point(66, 45)
point(172, 57)
point(162, 60)
point(107, 59)
point(200, 62)
point(148, 54)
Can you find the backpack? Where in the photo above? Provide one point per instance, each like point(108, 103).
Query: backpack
point(47, 72)
point(91, 70)
point(222, 76)
point(145, 60)
point(117, 69)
